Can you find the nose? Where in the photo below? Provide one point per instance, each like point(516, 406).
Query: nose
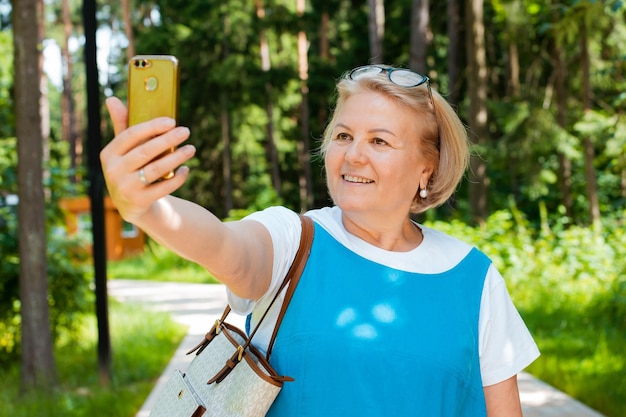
point(355, 153)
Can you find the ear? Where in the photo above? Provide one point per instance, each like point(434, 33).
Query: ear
point(425, 177)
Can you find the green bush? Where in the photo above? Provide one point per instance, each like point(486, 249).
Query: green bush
point(569, 284)
point(554, 269)
point(67, 260)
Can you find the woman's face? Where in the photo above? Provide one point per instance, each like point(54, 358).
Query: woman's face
point(373, 162)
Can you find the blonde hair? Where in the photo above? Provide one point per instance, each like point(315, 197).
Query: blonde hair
point(443, 140)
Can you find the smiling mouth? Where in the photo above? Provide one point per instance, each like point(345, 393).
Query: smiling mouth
point(359, 180)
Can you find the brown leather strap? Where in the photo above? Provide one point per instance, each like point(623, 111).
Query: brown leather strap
point(199, 411)
point(210, 334)
point(292, 278)
point(306, 241)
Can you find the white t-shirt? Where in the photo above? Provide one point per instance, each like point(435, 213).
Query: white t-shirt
point(505, 344)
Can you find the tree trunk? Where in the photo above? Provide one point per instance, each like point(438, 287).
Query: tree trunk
point(323, 34)
point(453, 52)
point(226, 153)
point(271, 149)
point(266, 65)
point(376, 29)
point(420, 21)
point(565, 165)
point(590, 172)
point(38, 367)
point(514, 85)
point(68, 122)
point(478, 123)
point(44, 103)
point(225, 121)
point(128, 28)
point(306, 187)
point(96, 191)
point(325, 57)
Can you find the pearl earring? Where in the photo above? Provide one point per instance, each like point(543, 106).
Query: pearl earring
point(423, 193)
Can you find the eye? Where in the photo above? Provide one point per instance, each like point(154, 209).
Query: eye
point(343, 137)
point(379, 141)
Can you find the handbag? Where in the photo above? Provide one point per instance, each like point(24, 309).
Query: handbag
point(229, 377)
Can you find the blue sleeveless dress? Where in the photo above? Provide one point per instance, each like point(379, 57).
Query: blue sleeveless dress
point(362, 339)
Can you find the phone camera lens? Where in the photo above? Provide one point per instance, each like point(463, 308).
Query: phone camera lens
point(151, 84)
point(141, 63)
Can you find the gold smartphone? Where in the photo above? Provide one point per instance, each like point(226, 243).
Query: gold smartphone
point(153, 84)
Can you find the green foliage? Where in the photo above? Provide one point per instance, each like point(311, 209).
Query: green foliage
point(9, 258)
point(6, 82)
point(68, 282)
point(218, 44)
point(569, 284)
point(67, 260)
point(142, 344)
point(554, 268)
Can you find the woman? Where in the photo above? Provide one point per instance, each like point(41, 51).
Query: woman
point(389, 317)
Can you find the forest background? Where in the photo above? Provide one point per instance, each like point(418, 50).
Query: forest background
point(539, 83)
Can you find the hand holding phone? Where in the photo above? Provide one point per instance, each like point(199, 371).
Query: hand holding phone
point(153, 85)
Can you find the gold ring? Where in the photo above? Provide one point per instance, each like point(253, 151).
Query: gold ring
point(142, 177)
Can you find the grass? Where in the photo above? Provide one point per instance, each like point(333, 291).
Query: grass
point(159, 264)
point(142, 345)
point(581, 356)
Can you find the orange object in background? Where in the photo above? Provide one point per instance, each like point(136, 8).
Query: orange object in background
point(122, 238)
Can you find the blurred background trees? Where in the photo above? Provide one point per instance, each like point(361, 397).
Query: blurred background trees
point(539, 83)
point(540, 87)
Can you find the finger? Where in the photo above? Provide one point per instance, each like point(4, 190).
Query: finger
point(119, 114)
point(160, 189)
point(119, 159)
point(135, 136)
point(133, 198)
point(157, 147)
point(168, 163)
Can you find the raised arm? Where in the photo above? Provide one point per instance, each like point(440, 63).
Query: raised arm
point(238, 253)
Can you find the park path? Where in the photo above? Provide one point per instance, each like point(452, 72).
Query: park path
point(199, 305)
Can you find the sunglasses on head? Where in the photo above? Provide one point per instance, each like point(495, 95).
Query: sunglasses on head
point(399, 76)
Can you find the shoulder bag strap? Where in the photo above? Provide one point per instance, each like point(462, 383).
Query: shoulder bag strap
point(292, 278)
point(306, 241)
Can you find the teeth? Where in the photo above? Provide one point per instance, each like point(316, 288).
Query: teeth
point(350, 178)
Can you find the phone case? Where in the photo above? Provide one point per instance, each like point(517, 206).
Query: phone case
point(153, 82)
